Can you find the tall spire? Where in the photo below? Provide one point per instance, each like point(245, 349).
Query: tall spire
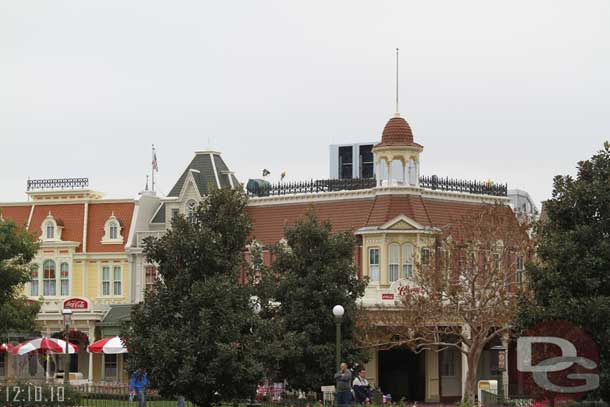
point(397, 109)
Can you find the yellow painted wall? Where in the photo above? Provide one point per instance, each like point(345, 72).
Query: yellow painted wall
point(432, 376)
point(77, 279)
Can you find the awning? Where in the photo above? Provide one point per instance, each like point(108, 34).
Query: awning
point(110, 325)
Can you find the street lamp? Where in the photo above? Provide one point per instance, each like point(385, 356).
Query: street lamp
point(501, 368)
point(67, 314)
point(338, 312)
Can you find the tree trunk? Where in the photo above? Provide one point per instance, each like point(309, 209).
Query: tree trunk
point(472, 360)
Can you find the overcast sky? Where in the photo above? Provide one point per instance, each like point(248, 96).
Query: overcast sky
point(513, 91)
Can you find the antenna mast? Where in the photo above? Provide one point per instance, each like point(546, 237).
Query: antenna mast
point(397, 109)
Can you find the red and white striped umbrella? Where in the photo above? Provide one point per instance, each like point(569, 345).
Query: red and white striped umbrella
point(6, 347)
point(44, 344)
point(111, 345)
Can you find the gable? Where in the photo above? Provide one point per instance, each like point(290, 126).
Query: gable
point(401, 225)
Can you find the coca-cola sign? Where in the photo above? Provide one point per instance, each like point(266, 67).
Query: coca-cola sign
point(76, 304)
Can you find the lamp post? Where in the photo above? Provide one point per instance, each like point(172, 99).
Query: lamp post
point(338, 312)
point(67, 314)
point(501, 368)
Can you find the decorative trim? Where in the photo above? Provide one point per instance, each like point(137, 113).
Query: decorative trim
point(215, 170)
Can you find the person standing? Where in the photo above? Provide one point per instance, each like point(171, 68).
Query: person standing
point(137, 385)
point(362, 389)
point(343, 387)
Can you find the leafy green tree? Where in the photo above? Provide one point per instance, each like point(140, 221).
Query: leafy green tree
point(196, 332)
point(316, 271)
point(17, 249)
point(571, 279)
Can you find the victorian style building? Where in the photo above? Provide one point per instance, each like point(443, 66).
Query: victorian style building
point(393, 214)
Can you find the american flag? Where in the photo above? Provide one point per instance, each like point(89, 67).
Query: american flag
point(154, 162)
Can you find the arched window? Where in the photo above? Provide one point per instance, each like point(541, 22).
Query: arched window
point(383, 171)
point(394, 262)
point(114, 230)
point(64, 276)
point(412, 172)
point(407, 261)
point(34, 281)
point(49, 278)
point(191, 206)
point(50, 230)
point(398, 173)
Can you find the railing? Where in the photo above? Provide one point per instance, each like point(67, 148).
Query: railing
point(330, 185)
point(57, 183)
point(456, 185)
point(312, 186)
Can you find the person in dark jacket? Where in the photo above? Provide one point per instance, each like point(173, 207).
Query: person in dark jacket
point(362, 388)
point(137, 385)
point(343, 387)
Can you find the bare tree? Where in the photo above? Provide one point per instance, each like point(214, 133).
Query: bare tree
point(464, 294)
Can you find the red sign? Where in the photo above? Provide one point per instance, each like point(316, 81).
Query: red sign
point(387, 296)
point(76, 304)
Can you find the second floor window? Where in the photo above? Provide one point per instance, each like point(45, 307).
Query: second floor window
point(111, 280)
point(394, 262)
point(374, 265)
point(425, 256)
point(64, 275)
point(150, 276)
point(407, 261)
point(34, 282)
point(49, 278)
point(520, 269)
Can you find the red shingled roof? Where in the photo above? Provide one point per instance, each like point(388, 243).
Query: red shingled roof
point(397, 132)
point(98, 215)
point(351, 214)
point(72, 216)
point(19, 214)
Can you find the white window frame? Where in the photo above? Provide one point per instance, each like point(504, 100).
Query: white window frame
point(520, 269)
point(148, 286)
point(62, 279)
point(407, 260)
point(111, 280)
point(112, 222)
point(374, 269)
point(50, 223)
point(36, 280)
point(393, 262)
point(50, 280)
point(189, 209)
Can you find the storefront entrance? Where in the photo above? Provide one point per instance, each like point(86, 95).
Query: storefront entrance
point(402, 374)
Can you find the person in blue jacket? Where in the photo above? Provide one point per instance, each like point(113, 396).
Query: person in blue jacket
point(137, 385)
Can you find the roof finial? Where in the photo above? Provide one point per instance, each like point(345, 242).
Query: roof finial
point(397, 109)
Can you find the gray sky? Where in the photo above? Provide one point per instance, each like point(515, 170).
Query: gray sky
point(512, 91)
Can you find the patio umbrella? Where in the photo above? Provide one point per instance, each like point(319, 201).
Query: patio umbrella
point(44, 344)
point(111, 345)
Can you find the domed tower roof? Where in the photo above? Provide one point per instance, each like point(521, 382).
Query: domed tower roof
point(397, 132)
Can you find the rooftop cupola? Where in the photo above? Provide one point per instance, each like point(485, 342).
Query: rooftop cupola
point(397, 155)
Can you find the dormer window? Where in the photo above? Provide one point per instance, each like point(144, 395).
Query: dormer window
point(112, 231)
point(191, 206)
point(51, 228)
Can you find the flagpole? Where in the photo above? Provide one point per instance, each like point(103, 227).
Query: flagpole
point(152, 163)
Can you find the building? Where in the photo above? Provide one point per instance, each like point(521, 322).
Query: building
point(206, 170)
point(82, 265)
point(392, 215)
point(523, 204)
